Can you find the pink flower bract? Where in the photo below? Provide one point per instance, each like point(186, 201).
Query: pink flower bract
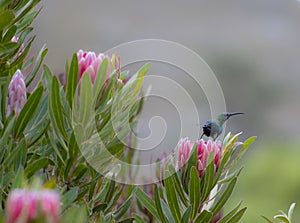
point(185, 147)
point(31, 204)
point(90, 62)
point(16, 97)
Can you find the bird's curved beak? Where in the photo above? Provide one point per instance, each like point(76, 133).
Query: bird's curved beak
point(228, 115)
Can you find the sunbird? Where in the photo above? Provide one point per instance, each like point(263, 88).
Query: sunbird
point(214, 128)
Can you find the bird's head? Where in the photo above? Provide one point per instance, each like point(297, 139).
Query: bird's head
point(225, 116)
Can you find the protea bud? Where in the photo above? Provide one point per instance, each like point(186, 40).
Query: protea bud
point(24, 206)
point(204, 149)
point(90, 62)
point(16, 97)
point(184, 150)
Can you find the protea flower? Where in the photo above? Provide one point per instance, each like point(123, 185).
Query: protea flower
point(204, 149)
point(185, 147)
point(90, 62)
point(16, 97)
point(24, 206)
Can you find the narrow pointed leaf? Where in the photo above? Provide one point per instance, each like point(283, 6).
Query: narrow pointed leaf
point(224, 197)
point(28, 111)
point(172, 199)
point(138, 218)
point(86, 100)
point(248, 142)
point(204, 217)
point(68, 198)
point(6, 17)
point(194, 191)
point(179, 188)
point(208, 178)
point(18, 179)
point(36, 166)
point(267, 219)
point(146, 202)
point(158, 205)
point(186, 215)
point(100, 79)
point(55, 108)
point(230, 214)
point(72, 80)
point(237, 217)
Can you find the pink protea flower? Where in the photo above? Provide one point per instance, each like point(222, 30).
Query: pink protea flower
point(204, 149)
point(16, 97)
point(90, 62)
point(21, 203)
point(50, 203)
point(24, 206)
point(185, 147)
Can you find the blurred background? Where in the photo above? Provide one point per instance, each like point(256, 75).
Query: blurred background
point(253, 47)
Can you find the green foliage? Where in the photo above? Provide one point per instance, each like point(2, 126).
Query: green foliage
point(204, 197)
point(69, 136)
point(283, 217)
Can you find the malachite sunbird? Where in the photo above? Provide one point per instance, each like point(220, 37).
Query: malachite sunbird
point(213, 128)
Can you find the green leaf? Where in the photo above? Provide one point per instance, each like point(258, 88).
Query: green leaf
point(21, 148)
point(4, 91)
point(188, 166)
point(36, 166)
point(144, 70)
point(4, 3)
point(186, 215)
point(68, 198)
point(204, 217)
point(28, 111)
point(111, 191)
point(99, 208)
point(18, 179)
point(73, 147)
point(55, 109)
point(282, 218)
point(267, 219)
point(248, 142)
point(291, 211)
point(5, 18)
point(230, 214)
point(86, 100)
point(194, 191)
point(79, 172)
point(11, 32)
point(100, 80)
point(167, 211)
point(37, 64)
point(138, 218)
point(127, 220)
point(75, 215)
point(158, 205)
point(172, 198)
point(179, 188)
point(237, 217)
point(224, 197)
point(55, 148)
point(208, 178)
point(125, 206)
point(5, 136)
point(72, 80)
point(146, 202)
